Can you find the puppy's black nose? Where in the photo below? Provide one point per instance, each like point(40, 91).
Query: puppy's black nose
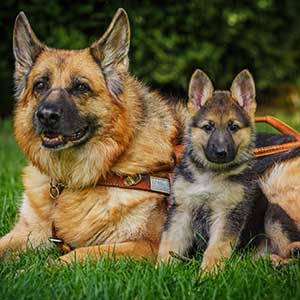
point(48, 116)
point(221, 153)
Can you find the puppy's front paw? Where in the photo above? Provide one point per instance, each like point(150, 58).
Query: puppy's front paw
point(165, 258)
point(212, 263)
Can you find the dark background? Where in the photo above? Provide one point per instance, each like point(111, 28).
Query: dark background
point(172, 38)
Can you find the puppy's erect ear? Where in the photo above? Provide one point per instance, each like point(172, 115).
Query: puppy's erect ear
point(26, 48)
point(200, 89)
point(111, 52)
point(243, 91)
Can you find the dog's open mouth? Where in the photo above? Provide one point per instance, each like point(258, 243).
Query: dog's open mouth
point(57, 140)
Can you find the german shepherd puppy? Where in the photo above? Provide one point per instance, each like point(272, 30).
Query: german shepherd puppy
point(80, 116)
point(211, 202)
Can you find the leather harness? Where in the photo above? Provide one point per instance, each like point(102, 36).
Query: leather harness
point(161, 183)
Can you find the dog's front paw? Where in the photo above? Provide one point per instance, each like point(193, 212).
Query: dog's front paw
point(73, 256)
point(163, 259)
point(80, 255)
point(211, 264)
point(67, 258)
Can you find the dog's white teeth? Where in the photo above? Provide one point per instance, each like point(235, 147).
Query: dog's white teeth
point(56, 139)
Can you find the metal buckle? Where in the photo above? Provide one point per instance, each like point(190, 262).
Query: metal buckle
point(55, 189)
point(161, 185)
point(55, 241)
point(133, 180)
point(65, 248)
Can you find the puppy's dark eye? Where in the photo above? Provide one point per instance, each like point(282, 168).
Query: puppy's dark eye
point(208, 127)
point(80, 88)
point(40, 86)
point(233, 127)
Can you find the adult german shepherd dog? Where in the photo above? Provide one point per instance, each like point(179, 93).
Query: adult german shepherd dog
point(81, 117)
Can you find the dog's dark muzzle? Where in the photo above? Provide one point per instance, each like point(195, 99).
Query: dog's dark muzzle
point(220, 148)
point(220, 155)
point(57, 120)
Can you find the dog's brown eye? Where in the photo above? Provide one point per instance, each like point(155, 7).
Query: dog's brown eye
point(40, 86)
point(209, 127)
point(80, 88)
point(233, 127)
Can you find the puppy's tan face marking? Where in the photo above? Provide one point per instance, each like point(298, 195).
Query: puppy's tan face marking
point(222, 126)
point(226, 118)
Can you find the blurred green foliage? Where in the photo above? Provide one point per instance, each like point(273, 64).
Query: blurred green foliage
point(171, 38)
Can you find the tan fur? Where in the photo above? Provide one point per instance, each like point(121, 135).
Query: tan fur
point(281, 187)
point(216, 254)
point(141, 249)
point(136, 136)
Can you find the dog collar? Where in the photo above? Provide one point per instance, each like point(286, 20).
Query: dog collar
point(147, 182)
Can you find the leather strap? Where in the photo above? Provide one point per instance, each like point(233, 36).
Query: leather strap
point(140, 182)
point(284, 129)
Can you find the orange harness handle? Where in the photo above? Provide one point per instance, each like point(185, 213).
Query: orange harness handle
point(284, 129)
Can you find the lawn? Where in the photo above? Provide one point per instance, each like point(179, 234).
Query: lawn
point(31, 277)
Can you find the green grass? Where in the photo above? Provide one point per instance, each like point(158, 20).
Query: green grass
point(31, 277)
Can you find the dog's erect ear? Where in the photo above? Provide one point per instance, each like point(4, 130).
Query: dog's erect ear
point(243, 91)
point(111, 52)
point(200, 89)
point(26, 48)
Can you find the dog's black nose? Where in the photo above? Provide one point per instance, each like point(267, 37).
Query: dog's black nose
point(48, 116)
point(221, 153)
